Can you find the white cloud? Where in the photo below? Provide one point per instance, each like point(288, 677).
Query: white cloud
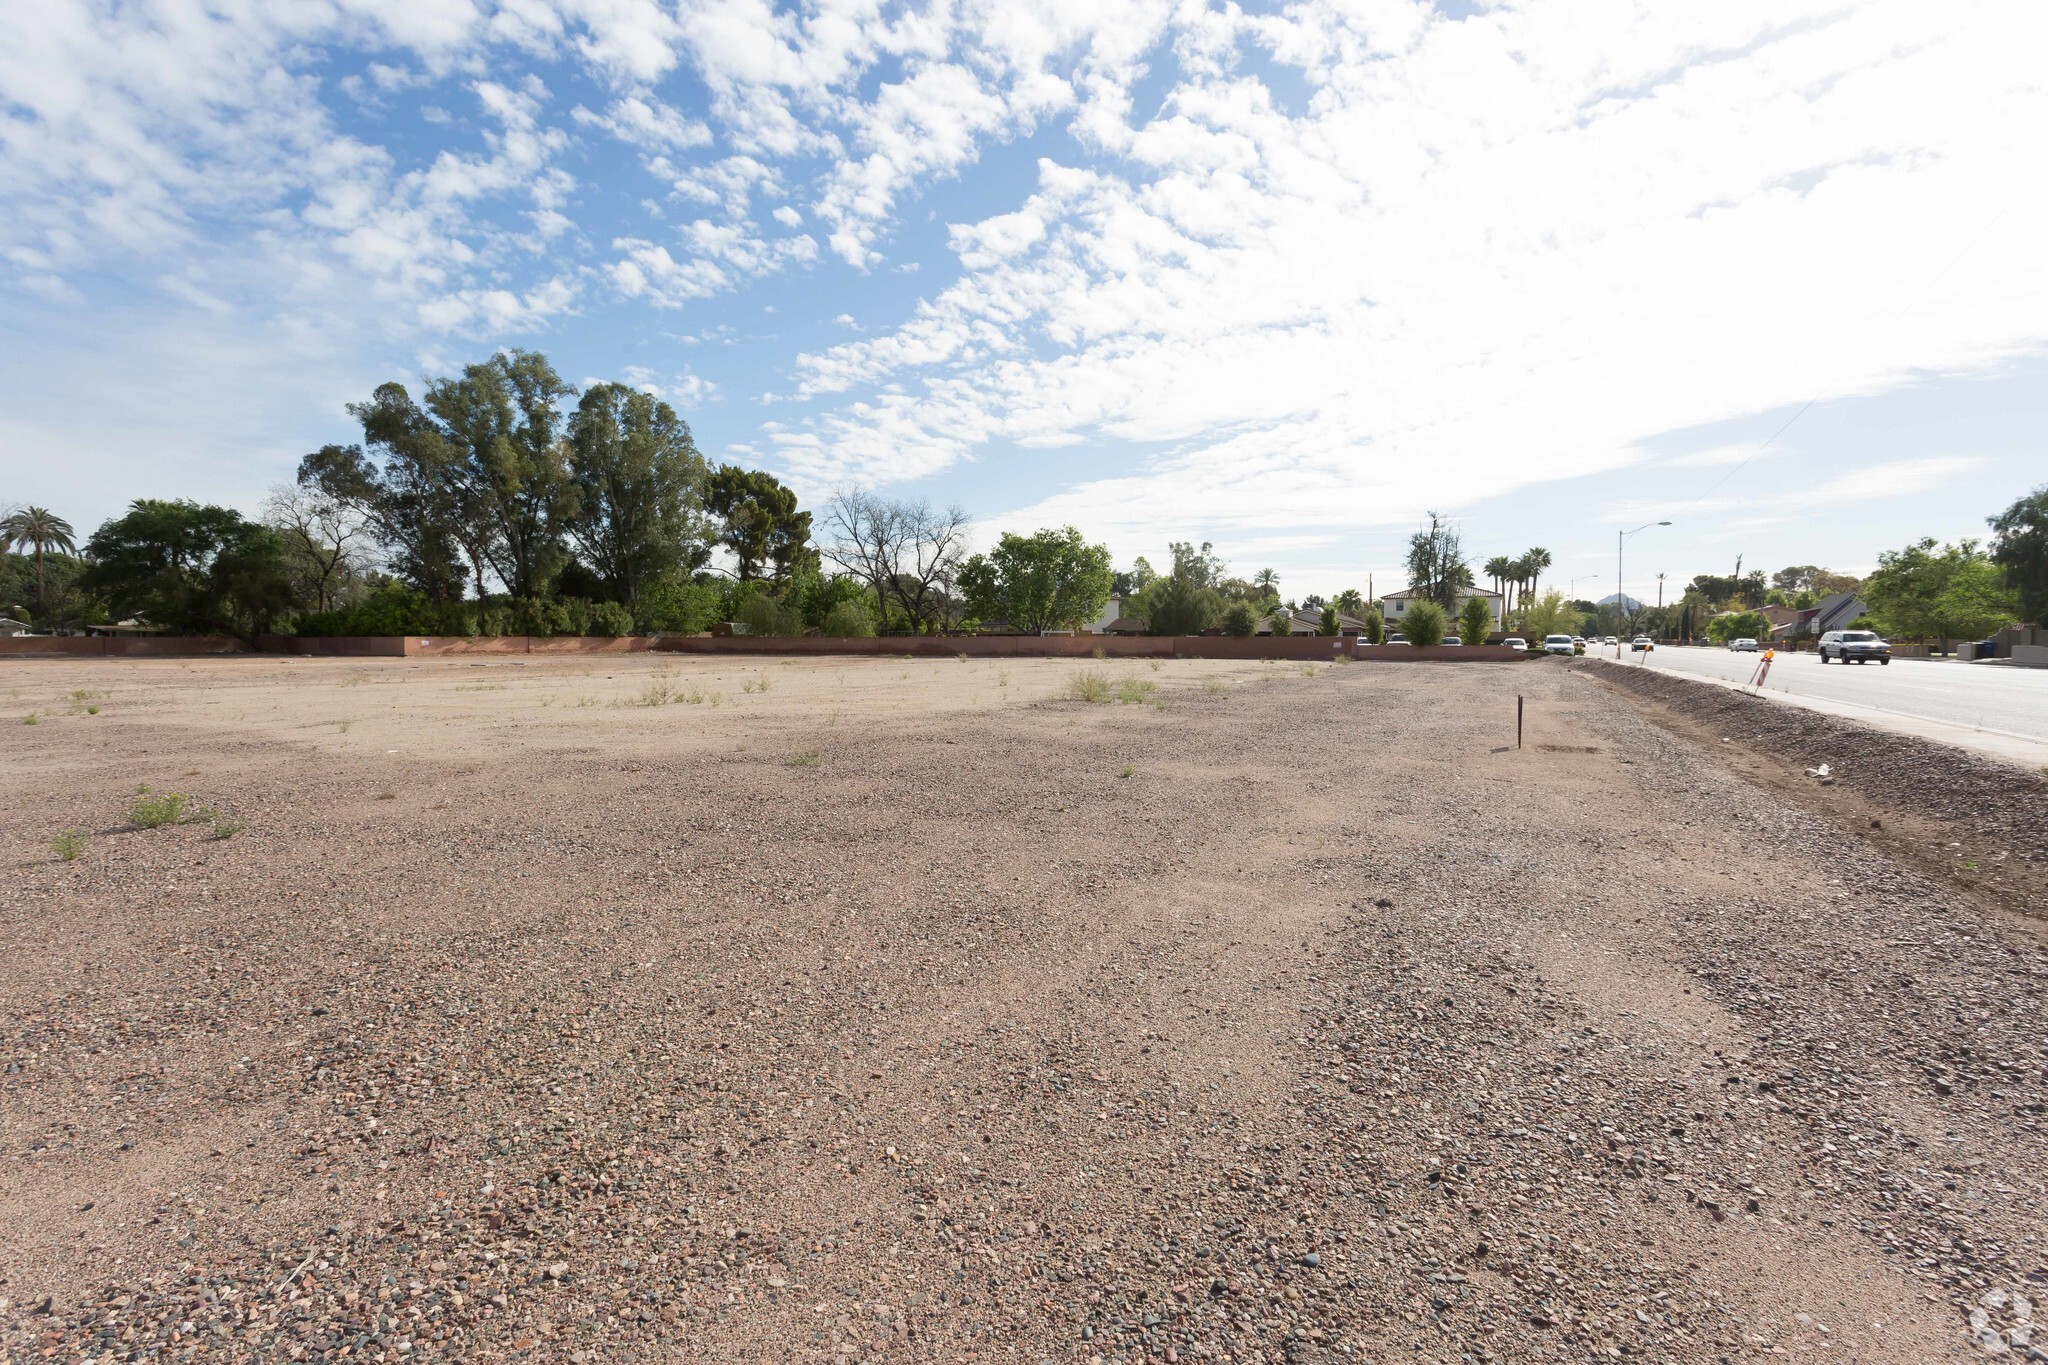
point(1480, 254)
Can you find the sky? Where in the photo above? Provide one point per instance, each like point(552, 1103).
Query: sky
point(1285, 278)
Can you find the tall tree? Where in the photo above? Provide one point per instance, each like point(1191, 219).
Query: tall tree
point(1268, 580)
point(1529, 566)
point(1350, 601)
point(1040, 582)
point(1499, 569)
point(1941, 591)
point(324, 539)
point(640, 489)
point(502, 419)
point(190, 568)
point(760, 521)
point(40, 531)
point(908, 552)
point(1185, 601)
point(2021, 550)
point(1437, 569)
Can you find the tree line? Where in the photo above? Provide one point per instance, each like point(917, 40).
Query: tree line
point(493, 504)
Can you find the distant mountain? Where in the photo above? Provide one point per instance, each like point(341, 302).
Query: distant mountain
point(1628, 604)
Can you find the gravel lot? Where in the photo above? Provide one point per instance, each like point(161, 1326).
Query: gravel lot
point(908, 1011)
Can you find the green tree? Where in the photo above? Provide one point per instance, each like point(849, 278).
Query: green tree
point(1424, 622)
point(191, 569)
point(1374, 626)
point(1267, 581)
point(2021, 550)
point(1475, 620)
point(640, 490)
point(760, 521)
point(1240, 622)
point(1500, 569)
point(1327, 624)
point(1185, 601)
point(1040, 582)
point(1551, 614)
point(39, 531)
point(501, 421)
point(1436, 565)
point(325, 541)
point(1941, 592)
point(1741, 625)
point(1350, 601)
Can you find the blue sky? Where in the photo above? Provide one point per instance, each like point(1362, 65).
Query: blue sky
point(1280, 277)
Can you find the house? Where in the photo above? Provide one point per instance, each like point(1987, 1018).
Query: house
point(1394, 606)
point(1292, 623)
point(10, 626)
point(1836, 611)
point(131, 626)
point(1111, 612)
point(1125, 625)
point(1788, 623)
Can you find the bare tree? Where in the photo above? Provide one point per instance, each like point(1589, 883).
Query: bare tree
point(908, 553)
point(328, 540)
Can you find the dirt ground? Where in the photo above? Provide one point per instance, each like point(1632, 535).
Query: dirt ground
point(831, 1010)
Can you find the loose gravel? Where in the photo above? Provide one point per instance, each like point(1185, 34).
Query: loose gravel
point(1273, 1018)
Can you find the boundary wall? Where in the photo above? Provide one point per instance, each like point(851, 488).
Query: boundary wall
point(1298, 647)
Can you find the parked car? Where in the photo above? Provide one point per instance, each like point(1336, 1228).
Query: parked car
point(1557, 644)
point(1743, 646)
point(1610, 640)
point(1642, 644)
point(1854, 646)
point(1395, 637)
point(1516, 642)
point(1452, 640)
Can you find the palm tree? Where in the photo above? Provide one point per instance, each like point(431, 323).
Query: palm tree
point(1498, 569)
point(38, 529)
point(1350, 601)
point(1267, 579)
point(1532, 564)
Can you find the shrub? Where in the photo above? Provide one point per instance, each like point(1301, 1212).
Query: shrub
point(539, 616)
point(148, 812)
point(763, 613)
point(1475, 620)
point(388, 609)
point(609, 618)
point(69, 845)
point(1423, 623)
point(228, 826)
point(1090, 684)
point(851, 620)
point(1135, 690)
point(1375, 626)
point(1240, 623)
point(680, 606)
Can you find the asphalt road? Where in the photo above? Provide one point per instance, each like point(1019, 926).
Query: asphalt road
point(1940, 698)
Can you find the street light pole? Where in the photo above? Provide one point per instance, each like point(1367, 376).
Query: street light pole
point(1620, 594)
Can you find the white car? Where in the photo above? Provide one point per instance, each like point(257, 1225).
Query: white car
point(1516, 642)
point(1743, 646)
point(1610, 640)
point(1557, 644)
point(1641, 644)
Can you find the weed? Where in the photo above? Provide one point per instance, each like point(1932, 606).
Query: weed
point(228, 826)
point(1154, 664)
point(387, 796)
point(1128, 770)
point(69, 845)
point(148, 812)
point(807, 759)
point(480, 687)
point(1135, 691)
point(92, 710)
point(1308, 670)
point(760, 682)
point(30, 719)
point(1002, 677)
point(1342, 659)
point(656, 693)
point(962, 656)
point(343, 725)
point(85, 694)
point(1214, 686)
point(832, 718)
point(1099, 652)
point(1089, 684)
